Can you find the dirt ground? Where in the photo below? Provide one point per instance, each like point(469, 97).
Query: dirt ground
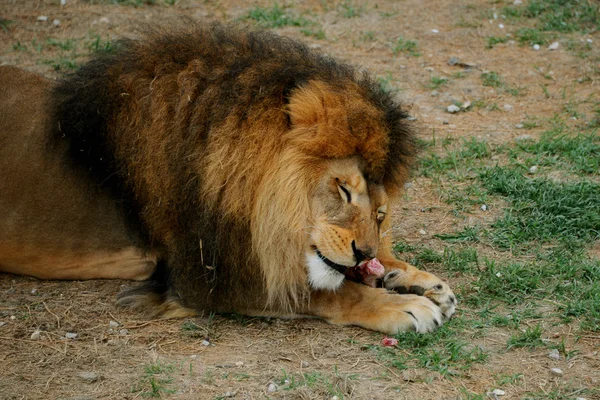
point(259, 358)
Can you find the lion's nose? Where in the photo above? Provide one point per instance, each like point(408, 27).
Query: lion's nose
point(362, 254)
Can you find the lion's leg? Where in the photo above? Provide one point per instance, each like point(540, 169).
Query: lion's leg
point(375, 309)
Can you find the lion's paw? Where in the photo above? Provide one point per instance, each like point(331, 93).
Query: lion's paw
point(409, 313)
point(424, 284)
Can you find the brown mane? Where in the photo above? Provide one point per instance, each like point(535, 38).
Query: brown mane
point(210, 138)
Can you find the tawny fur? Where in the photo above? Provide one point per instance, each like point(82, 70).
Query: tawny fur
point(221, 153)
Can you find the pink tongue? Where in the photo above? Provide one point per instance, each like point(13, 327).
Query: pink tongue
point(373, 267)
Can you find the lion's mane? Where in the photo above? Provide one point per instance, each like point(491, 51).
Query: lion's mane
point(210, 139)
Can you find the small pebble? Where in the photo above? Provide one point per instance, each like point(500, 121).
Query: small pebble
point(453, 61)
point(205, 343)
point(501, 26)
point(536, 46)
point(89, 377)
point(2, 324)
point(498, 392)
point(42, 18)
point(12, 317)
point(272, 388)
point(408, 185)
point(453, 109)
point(33, 291)
point(580, 398)
point(435, 31)
point(56, 22)
point(113, 324)
point(239, 363)
point(229, 394)
point(556, 371)
point(589, 40)
point(519, 126)
point(63, 2)
point(508, 107)
point(554, 354)
point(71, 335)
point(36, 335)
point(305, 364)
point(434, 93)
point(422, 232)
point(483, 207)
point(533, 169)
point(499, 274)
point(445, 122)
point(335, 398)
point(194, 356)
point(518, 2)
point(553, 46)
point(123, 332)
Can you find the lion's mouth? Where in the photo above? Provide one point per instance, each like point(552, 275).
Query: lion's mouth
point(342, 269)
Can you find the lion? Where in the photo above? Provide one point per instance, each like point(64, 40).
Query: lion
point(231, 169)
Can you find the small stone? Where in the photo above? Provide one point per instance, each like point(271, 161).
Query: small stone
point(453, 61)
point(498, 392)
point(517, 2)
point(422, 232)
point(483, 207)
point(501, 26)
point(554, 354)
point(2, 324)
point(335, 398)
point(429, 69)
point(499, 274)
point(315, 46)
point(453, 109)
point(56, 22)
point(533, 169)
point(239, 363)
point(205, 343)
point(113, 324)
point(12, 317)
point(445, 122)
point(556, 371)
point(536, 46)
point(435, 31)
point(272, 388)
point(508, 107)
point(36, 335)
point(553, 46)
point(305, 364)
point(408, 185)
point(34, 291)
point(580, 398)
point(519, 126)
point(194, 356)
point(63, 2)
point(434, 93)
point(589, 40)
point(228, 395)
point(42, 18)
point(89, 377)
point(123, 332)
point(71, 335)
point(104, 20)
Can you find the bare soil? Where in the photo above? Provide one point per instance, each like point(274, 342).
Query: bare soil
point(246, 355)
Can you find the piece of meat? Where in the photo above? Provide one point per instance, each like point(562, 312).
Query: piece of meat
point(366, 272)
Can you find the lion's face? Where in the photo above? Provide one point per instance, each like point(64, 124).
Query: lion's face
point(348, 211)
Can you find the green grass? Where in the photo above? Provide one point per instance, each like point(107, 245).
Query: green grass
point(155, 380)
point(530, 338)
point(351, 10)
point(406, 46)
point(437, 82)
point(494, 40)
point(276, 17)
point(318, 34)
point(541, 209)
point(324, 384)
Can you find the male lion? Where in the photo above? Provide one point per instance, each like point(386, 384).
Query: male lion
point(236, 169)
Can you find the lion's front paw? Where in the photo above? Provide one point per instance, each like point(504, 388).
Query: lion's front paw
point(421, 283)
point(391, 314)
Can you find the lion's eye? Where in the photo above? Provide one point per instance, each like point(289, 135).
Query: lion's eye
point(380, 216)
point(344, 192)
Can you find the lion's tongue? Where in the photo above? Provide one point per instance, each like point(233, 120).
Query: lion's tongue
point(366, 272)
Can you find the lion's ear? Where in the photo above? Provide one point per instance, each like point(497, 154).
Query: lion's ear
point(306, 106)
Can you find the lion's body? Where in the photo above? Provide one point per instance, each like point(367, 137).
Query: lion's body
point(212, 156)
